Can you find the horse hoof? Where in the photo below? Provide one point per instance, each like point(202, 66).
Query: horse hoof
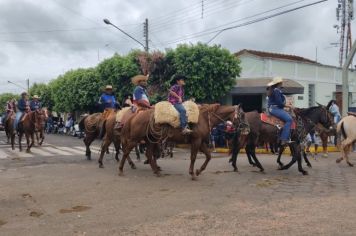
point(236, 170)
point(230, 160)
point(101, 165)
point(197, 172)
point(194, 178)
point(133, 166)
point(158, 174)
point(310, 166)
point(159, 168)
point(350, 164)
point(305, 172)
point(28, 151)
point(338, 160)
point(262, 170)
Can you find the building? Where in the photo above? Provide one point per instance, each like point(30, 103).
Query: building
point(307, 82)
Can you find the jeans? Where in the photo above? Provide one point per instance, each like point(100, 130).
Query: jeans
point(18, 116)
point(182, 114)
point(283, 115)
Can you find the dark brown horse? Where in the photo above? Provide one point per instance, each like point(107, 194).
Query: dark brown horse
point(9, 129)
point(263, 132)
point(142, 127)
point(31, 122)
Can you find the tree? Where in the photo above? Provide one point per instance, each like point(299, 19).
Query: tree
point(211, 70)
point(4, 97)
point(44, 92)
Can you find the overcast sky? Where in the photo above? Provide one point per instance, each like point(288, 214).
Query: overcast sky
point(41, 39)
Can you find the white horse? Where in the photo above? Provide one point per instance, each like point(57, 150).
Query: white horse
point(346, 131)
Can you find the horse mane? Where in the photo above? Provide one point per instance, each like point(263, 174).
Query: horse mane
point(209, 107)
point(306, 111)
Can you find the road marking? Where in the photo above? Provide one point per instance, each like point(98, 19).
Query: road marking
point(3, 154)
point(57, 151)
point(38, 151)
point(71, 150)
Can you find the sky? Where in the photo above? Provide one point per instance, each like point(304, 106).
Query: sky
point(42, 39)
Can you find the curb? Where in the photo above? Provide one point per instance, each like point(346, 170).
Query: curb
point(262, 150)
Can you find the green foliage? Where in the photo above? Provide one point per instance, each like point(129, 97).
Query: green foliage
point(211, 73)
point(4, 97)
point(118, 71)
point(44, 92)
point(211, 70)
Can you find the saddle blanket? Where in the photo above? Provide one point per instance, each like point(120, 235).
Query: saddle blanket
point(165, 113)
point(272, 120)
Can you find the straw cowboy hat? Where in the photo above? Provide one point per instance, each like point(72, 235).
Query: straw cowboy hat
point(35, 97)
point(108, 87)
point(276, 80)
point(138, 78)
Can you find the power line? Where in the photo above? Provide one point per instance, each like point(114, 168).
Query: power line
point(266, 18)
point(218, 28)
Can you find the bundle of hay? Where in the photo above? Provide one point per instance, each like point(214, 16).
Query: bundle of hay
point(192, 111)
point(165, 113)
point(121, 113)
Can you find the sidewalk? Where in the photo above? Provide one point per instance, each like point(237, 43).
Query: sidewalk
point(264, 151)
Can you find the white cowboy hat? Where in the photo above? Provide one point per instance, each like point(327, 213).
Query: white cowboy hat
point(136, 79)
point(36, 96)
point(108, 87)
point(276, 80)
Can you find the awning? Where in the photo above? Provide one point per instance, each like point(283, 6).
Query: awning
point(259, 85)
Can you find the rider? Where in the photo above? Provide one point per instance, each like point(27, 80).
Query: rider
point(334, 110)
point(23, 106)
point(107, 100)
point(140, 97)
point(176, 96)
point(276, 103)
point(10, 108)
point(35, 104)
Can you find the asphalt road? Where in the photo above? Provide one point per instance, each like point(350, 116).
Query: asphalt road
point(55, 191)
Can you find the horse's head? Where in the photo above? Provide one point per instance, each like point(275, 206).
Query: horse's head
point(236, 115)
point(319, 114)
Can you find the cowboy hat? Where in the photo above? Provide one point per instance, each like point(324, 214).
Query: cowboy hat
point(23, 93)
point(136, 79)
point(276, 80)
point(36, 96)
point(108, 87)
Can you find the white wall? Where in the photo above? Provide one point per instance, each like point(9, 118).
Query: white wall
point(325, 78)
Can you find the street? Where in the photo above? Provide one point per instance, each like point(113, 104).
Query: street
point(55, 191)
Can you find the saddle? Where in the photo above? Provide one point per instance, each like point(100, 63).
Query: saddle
point(165, 113)
point(272, 120)
point(351, 113)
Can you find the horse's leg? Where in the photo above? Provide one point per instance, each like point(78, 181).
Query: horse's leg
point(150, 157)
point(37, 138)
point(346, 147)
point(294, 159)
point(20, 138)
point(32, 136)
point(193, 155)
point(298, 152)
point(127, 147)
point(252, 150)
point(41, 137)
point(137, 153)
point(236, 147)
point(28, 142)
point(116, 142)
point(12, 140)
point(204, 148)
point(306, 159)
point(104, 146)
point(281, 150)
point(87, 141)
point(249, 157)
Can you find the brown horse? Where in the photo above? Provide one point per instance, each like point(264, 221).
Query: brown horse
point(31, 122)
point(91, 125)
point(112, 136)
point(142, 127)
point(40, 133)
point(260, 131)
point(9, 129)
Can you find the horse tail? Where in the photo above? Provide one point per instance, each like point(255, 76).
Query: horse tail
point(343, 130)
point(82, 123)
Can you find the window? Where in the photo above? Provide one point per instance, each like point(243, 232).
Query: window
point(311, 94)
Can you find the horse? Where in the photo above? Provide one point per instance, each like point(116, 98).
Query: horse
point(32, 121)
point(40, 133)
point(91, 126)
point(142, 127)
point(9, 129)
point(265, 132)
point(346, 132)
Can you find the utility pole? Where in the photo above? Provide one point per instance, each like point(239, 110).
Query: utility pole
point(28, 86)
point(345, 80)
point(145, 34)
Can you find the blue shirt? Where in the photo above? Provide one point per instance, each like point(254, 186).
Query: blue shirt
point(21, 105)
point(107, 101)
point(34, 105)
point(140, 94)
point(277, 98)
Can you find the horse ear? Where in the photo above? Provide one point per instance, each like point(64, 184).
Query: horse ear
point(320, 105)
